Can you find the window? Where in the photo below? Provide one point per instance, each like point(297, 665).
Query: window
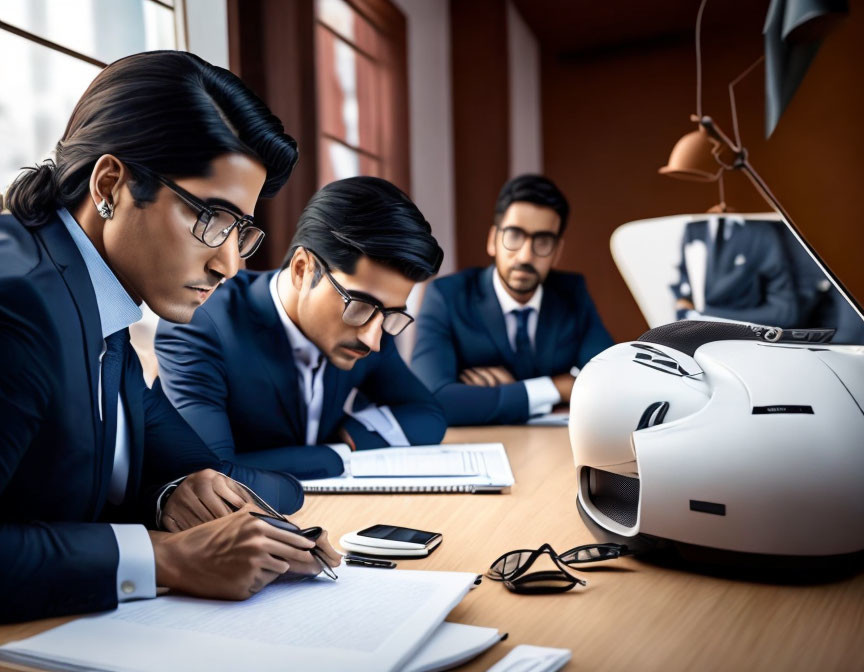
point(361, 89)
point(50, 51)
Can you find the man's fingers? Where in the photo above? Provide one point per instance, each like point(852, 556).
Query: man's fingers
point(196, 508)
point(238, 490)
point(285, 537)
point(276, 565)
point(486, 376)
point(473, 378)
point(214, 504)
point(290, 554)
point(333, 558)
point(169, 523)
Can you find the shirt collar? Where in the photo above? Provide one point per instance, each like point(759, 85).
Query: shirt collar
point(508, 303)
point(117, 310)
point(304, 350)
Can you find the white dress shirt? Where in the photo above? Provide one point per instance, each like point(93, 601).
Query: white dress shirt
point(542, 393)
point(136, 570)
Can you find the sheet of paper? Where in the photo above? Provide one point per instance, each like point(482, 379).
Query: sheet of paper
point(557, 419)
point(534, 658)
point(486, 464)
point(525, 658)
point(417, 461)
point(452, 644)
point(367, 620)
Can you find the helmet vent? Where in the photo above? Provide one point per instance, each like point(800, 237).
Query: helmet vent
point(615, 496)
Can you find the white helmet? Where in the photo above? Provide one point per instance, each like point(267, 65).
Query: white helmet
point(754, 446)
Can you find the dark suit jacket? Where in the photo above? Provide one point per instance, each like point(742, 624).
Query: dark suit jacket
point(749, 280)
point(461, 326)
point(58, 555)
point(230, 372)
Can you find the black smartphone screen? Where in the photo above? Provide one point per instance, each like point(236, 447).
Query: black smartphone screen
point(393, 533)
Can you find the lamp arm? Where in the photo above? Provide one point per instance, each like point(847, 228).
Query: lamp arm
point(742, 163)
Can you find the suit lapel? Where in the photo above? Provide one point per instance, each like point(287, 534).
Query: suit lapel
point(275, 353)
point(66, 257)
point(491, 315)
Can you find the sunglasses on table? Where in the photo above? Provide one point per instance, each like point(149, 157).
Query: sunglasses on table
point(359, 310)
point(542, 243)
point(512, 569)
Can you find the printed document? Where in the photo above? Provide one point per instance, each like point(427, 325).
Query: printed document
point(370, 619)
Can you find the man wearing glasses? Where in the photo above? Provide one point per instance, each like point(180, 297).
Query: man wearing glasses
point(265, 370)
point(92, 462)
point(501, 344)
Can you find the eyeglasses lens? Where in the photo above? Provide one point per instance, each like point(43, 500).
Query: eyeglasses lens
point(395, 323)
point(249, 241)
point(357, 313)
point(510, 564)
point(218, 228)
point(593, 553)
point(543, 244)
point(513, 238)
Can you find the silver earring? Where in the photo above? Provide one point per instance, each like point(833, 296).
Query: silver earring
point(105, 209)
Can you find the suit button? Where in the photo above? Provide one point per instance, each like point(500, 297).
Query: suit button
point(128, 587)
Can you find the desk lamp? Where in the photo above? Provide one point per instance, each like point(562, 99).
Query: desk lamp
point(705, 154)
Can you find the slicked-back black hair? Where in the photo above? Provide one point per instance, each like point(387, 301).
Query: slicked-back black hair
point(534, 189)
point(168, 111)
point(367, 217)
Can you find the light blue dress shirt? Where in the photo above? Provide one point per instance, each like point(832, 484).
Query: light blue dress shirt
point(136, 571)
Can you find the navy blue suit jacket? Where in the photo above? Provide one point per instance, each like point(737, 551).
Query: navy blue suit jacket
point(749, 280)
point(461, 326)
point(58, 554)
point(230, 372)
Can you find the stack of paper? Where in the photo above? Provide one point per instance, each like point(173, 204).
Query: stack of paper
point(467, 467)
point(369, 619)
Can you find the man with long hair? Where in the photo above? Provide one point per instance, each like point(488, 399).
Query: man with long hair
point(149, 198)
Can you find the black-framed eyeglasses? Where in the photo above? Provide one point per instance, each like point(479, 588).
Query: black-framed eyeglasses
point(214, 223)
point(512, 568)
point(542, 243)
point(359, 310)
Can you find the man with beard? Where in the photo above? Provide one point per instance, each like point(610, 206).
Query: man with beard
point(500, 344)
point(264, 370)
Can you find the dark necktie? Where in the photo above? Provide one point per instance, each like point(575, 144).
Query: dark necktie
point(721, 237)
point(112, 372)
point(523, 366)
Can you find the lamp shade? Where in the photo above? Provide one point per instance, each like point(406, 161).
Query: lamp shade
point(692, 158)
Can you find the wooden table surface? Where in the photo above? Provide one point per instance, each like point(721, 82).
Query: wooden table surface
point(631, 617)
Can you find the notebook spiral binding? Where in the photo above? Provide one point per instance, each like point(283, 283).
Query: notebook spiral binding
point(470, 489)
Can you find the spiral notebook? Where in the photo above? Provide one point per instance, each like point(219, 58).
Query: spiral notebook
point(457, 467)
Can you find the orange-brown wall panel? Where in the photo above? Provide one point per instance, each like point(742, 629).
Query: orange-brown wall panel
point(610, 120)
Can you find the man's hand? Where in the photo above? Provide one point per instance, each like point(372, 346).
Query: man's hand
point(233, 557)
point(564, 384)
point(684, 304)
point(202, 497)
point(487, 376)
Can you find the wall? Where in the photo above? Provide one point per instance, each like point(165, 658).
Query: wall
point(431, 120)
point(523, 58)
point(611, 118)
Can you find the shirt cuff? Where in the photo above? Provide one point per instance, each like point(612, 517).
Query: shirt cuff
point(162, 498)
point(343, 451)
point(136, 571)
point(542, 395)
